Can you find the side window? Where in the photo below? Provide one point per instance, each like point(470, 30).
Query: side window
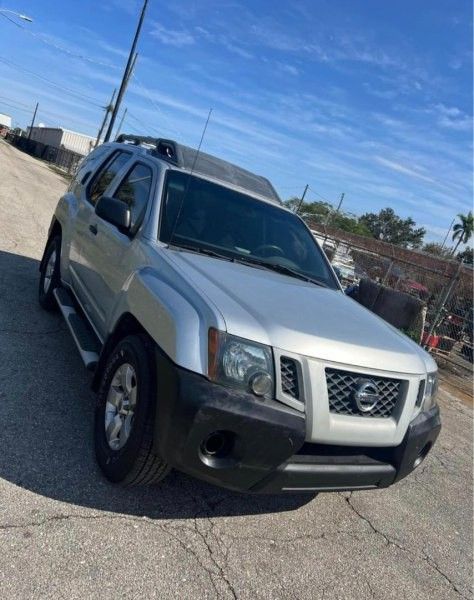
point(104, 177)
point(135, 192)
point(84, 169)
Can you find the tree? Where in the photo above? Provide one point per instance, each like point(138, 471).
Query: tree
point(466, 256)
point(388, 226)
point(319, 210)
point(348, 222)
point(437, 250)
point(324, 214)
point(462, 232)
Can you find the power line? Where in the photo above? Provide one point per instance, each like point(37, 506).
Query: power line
point(48, 42)
point(76, 94)
point(145, 126)
point(59, 119)
point(13, 100)
point(49, 115)
point(155, 105)
point(310, 189)
point(28, 110)
point(318, 194)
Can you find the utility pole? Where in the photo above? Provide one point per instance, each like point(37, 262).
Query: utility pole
point(329, 218)
point(330, 213)
point(126, 73)
point(110, 107)
point(302, 198)
point(33, 120)
point(340, 203)
point(448, 232)
point(121, 123)
point(108, 110)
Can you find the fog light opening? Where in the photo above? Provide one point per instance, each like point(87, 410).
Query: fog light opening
point(214, 444)
point(422, 455)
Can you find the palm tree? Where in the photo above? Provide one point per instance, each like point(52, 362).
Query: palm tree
point(462, 232)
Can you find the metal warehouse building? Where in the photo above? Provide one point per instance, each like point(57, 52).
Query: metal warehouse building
point(5, 121)
point(63, 138)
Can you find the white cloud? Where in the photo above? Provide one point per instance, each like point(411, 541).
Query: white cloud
point(128, 6)
point(290, 69)
point(171, 37)
point(395, 166)
point(238, 50)
point(111, 49)
point(452, 117)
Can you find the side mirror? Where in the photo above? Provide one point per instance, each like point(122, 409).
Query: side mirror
point(114, 211)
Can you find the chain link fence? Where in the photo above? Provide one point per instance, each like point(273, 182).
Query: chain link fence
point(66, 160)
point(442, 289)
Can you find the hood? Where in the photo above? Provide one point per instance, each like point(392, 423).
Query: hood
point(300, 317)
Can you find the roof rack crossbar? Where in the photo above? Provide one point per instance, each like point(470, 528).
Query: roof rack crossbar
point(165, 149)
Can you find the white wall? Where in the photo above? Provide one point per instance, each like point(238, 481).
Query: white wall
point(63, 138)
point(77, 142)
point(5, 120)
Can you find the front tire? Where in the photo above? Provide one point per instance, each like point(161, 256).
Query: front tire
point(50, 274)
point(125, 415)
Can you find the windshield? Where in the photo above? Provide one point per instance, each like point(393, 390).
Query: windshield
point(205, 216)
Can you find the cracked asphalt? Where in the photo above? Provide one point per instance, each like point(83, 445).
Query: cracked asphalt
point(67, 533)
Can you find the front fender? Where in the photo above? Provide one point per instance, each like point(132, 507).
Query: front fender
point(63, 221)
point(175, 316)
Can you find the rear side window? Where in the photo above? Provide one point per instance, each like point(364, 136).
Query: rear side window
point(107, 173)
point(85, 168)
point(135, 191)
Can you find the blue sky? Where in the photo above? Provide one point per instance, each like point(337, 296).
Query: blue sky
point(371, 98)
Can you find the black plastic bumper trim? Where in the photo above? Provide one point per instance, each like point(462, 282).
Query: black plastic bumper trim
point(265, 441)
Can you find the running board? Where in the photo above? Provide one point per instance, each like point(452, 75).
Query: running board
point(86, 340)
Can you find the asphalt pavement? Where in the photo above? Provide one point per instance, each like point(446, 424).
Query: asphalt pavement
point(65, 532)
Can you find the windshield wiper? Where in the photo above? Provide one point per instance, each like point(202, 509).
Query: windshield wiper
point(279, 268)
point(199, 250)
point(249, 261)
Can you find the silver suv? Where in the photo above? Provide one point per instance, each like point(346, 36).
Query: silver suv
point(220, 339)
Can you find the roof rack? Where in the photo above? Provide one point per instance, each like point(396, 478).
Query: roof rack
point(166, 149)
point(204, 164)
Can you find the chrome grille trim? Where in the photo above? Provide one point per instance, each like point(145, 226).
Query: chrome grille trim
point(342, 384)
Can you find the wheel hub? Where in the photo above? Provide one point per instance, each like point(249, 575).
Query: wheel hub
point(120, 406)
point(49, 272)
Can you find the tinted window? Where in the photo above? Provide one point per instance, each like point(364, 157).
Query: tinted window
point(105, 176)
point(206, 215)
point(85, 168)
point(135, 191)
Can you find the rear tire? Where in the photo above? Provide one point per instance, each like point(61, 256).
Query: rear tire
point(50, 274)
point(125, 415)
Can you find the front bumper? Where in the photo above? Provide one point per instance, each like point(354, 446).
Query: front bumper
point(264, 449)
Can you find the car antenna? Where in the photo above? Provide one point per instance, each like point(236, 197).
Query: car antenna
point(190, 175)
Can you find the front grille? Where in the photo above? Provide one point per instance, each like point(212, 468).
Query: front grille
point(289, 377)
point(342, 386)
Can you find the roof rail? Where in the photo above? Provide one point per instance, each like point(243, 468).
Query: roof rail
point(165, 149)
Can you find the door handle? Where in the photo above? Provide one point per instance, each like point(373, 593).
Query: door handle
point(93, 229)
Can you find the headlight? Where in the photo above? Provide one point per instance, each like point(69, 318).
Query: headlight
point(431, 390)
point(240, 363)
